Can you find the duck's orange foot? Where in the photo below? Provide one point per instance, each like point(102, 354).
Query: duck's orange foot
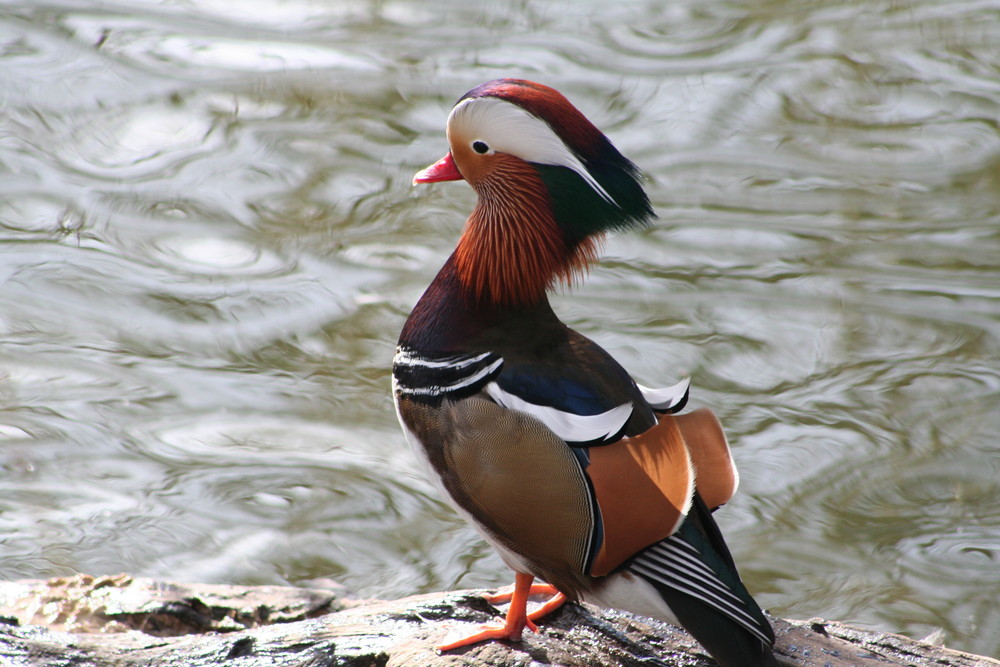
point(510, 632)
point(506, 594)
point(518, 617)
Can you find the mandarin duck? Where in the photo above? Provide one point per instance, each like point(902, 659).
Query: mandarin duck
point(536, 435)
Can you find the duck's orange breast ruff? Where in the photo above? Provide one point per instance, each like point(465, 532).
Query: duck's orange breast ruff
point(512, 248)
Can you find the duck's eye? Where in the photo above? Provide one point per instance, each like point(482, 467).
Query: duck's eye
point(480, 147)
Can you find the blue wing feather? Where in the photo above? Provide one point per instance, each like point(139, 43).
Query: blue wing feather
point(563, 392)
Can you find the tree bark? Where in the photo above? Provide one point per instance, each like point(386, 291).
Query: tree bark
point(127, 622)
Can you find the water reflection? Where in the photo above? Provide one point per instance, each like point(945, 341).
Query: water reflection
point(208, 243)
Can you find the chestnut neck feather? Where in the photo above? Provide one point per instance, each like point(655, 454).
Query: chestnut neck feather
point(512, 249)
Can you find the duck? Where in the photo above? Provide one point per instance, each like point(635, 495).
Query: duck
point(590, 486)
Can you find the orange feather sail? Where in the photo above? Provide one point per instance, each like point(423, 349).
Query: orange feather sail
point(716, 475)
point(644, 485)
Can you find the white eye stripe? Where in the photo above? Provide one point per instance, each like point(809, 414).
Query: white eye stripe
point(507, 128)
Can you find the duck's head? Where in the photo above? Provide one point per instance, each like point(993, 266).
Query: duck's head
point(549, 185)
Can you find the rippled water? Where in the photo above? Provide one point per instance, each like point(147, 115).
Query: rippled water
point(209, 242)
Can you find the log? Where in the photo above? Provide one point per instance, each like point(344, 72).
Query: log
point(122, 621)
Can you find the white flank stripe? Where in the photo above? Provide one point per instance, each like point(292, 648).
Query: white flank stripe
point(735, 613)
point(677, 548)
point(673, 557)
point(682, 581)
point(704, 574)
point(566, 425)
point(667, 397)
point(672, 552)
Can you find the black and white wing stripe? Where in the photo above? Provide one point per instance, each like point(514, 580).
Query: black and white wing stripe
point(678, 565)
point(433, 378)
point(571, 427)
point(668, 399)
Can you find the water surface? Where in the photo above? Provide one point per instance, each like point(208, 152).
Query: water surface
point(209, 243)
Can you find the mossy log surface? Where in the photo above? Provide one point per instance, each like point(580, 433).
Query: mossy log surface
point(122, 621)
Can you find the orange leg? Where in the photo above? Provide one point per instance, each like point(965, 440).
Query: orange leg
point(556, 600)
point(553, 603)
point(518, 617)
point(507, 592)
